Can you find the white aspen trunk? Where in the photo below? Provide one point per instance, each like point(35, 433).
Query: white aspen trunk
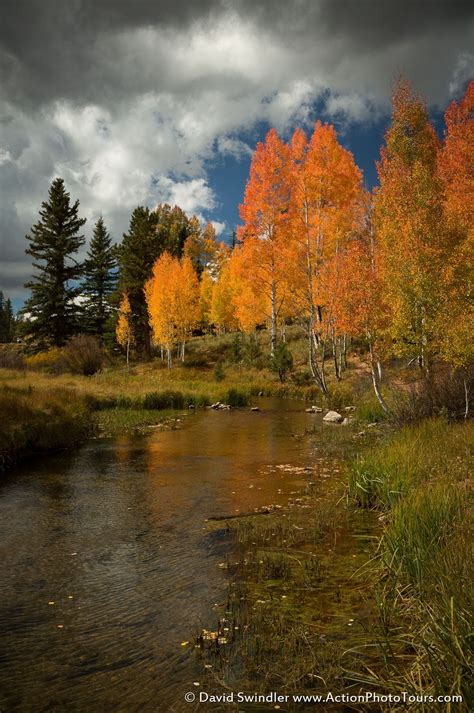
point(375, 381)
point(466, 399)
point(337, 370)
point(274, 320)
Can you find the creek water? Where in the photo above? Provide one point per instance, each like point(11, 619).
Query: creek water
point(107, 566)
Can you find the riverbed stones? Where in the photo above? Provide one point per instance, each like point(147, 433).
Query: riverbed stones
point(314, 409)
point(333, 417)
point(255, 408)
point(218, 406)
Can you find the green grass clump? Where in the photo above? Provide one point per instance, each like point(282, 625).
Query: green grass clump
point(111, 422)
point(237, 398)
point(419, 531)
point(411, 457)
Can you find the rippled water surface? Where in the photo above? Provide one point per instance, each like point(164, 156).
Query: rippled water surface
point(107, 568)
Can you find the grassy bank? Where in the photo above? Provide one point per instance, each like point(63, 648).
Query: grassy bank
point(421, 481)
point(34, 422)
point(372, 591)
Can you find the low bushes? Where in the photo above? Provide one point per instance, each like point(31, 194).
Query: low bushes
point(446, 392)
point(11, 357)
point(83, 354)
point(50, 361)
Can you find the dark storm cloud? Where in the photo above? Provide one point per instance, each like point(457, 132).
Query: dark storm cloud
point(128, 100)
point(59, 48)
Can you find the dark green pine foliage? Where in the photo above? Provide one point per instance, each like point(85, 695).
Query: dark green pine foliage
point(100, 280)
point(174, 227)
point(54, 315)
point(7, 320)
point(139, 249)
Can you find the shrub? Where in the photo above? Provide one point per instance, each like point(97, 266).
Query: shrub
point(51, 361)
point(340, 395)
point(11, 357)
point(282, 361)
point(443, 393)
point(303, 378)
point(252, 350)
point(219, 373)
point(237, 350)
point(83, 354)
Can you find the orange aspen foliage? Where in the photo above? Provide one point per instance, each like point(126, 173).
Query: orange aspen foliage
point(456, 160)
point(223, 313)
point(326, 208)
point(456, 170)
point(410, 227)
point(265, 215)
point(250, 302)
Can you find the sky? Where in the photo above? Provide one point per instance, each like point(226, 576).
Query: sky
point(143, 102)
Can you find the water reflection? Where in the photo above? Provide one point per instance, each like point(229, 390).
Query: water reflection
point(107, 568)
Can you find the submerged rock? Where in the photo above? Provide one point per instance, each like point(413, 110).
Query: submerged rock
point(314, 409)
point(333, 417)
point(255, 408)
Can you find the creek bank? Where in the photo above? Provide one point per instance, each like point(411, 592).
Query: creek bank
point(298, 606)
point(358, 588)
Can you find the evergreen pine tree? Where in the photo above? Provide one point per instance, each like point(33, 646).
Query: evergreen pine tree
point(7, 320)
point(53, 243)
point(100, 280)
point(139, 249)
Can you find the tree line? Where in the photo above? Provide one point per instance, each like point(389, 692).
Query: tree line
point(391, 268)
point(70, 296)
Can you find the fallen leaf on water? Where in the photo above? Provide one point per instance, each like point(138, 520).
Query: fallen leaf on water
point(184, 643)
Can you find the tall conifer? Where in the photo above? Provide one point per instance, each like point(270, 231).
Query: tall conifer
point(100, 279)
point(53, 310)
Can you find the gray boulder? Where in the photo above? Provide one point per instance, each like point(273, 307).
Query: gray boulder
point(333, 417)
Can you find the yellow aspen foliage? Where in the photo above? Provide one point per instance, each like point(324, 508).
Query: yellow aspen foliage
point(206, 287)
point(172, 297)
point(222, 313)
point(124, 331)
